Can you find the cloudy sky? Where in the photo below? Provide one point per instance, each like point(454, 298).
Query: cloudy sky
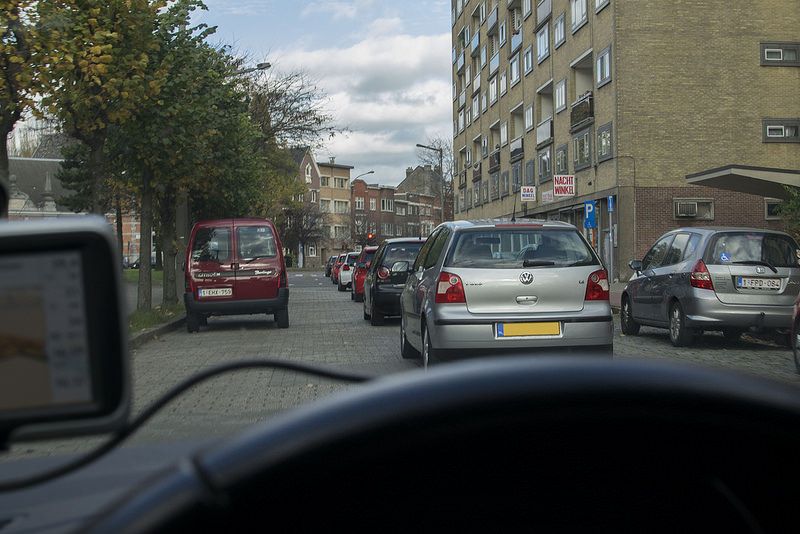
point(385, 66)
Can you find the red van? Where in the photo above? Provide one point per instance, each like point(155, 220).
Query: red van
point(235, 266)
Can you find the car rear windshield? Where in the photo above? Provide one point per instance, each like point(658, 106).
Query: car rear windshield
point(256, 242)
point(778, 250)
point(401, 252)
point(351, 259)
point(212, 244)
point(367, 256)
point(500, 248)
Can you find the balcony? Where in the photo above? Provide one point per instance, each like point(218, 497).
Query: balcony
point(543, 11)
point(476, 83)
point(491, 22)
point(516, 42)
point(494, 161)
point(462, 179)
point(544, 132)
point(494, 63)
point(460, 62)
point(462, 99)
point(581, 112)
point(476, 171)
point(475, 45)
point(516, 150)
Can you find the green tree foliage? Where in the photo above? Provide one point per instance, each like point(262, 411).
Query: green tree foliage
point(789, 210)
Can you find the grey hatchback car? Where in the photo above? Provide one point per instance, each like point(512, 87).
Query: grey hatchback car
point(481, 287)
point(717, 279)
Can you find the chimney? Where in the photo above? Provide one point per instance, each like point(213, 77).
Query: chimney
point(332, 160)
point(409, 170)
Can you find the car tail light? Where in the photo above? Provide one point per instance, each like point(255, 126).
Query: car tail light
point(597, 286)
point(450, 290)
point(345, 267)
point(383, 273)
point(700, 277)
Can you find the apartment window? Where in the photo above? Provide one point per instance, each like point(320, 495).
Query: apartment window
point(386, 229)
point(578, 14)
point(562, 166)
point(504, 134)
point(504, 183)
point(314, 197)
point(604, 67)
point(401, 210)
point(582, 149)
point(545, 165)
point(324, 181)
point(559, 35)
point(529, 118)
point(325, 206)
point(543, 44)
point(693, 208)
point(527, 7)
point(341, 206)
point(468, 115)
point(527, 60)
point(468, 75)
point(484, 146)
point(312, 251)
point(495, 189)
point(604, 149)
point(476, 106)
point(387, 204)
point(482, 12)
point(484, 104)
point(781, 130)
point(561, 95)
point(485, 191)
point(476, 199)
point(461, 121)
point(308, 173)
point(514, 69)
point(529, 172)
point(772, 209)
point(600, 4)
point(359, 203)
point(468, 157)
point(516, 176)
point(341, 183)
point(483, 56)
point(493, 90)
point(502, 33)
point(372, 204)
point(780, 54)
point(503, 83)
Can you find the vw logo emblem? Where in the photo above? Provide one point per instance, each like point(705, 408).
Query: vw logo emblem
point(760, 270)
point(526, 278)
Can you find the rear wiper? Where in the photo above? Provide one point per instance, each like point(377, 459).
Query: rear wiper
point(581, 263)
point(537, 263)
point(757, 262)
point(254, 258)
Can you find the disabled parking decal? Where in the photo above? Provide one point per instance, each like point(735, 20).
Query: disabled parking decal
point(725, 257)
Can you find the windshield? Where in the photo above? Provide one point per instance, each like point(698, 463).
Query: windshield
point(528, 168)
point(775, 249)
point(513, 249)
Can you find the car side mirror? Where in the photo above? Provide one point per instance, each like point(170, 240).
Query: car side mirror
point(635, 265)
point(64, 367)
point(400, 267)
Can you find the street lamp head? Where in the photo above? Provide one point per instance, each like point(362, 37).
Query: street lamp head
point(263, 66)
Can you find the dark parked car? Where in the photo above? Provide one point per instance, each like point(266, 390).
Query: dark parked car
point(795, 336)
point(329, 265)
point(383, 285)
point(725, 279)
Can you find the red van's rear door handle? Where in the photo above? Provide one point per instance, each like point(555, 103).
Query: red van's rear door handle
point(234, 266)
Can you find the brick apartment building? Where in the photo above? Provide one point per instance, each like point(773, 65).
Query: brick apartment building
point(629, 97)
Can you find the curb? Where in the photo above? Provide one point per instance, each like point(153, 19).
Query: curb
point(151, 333)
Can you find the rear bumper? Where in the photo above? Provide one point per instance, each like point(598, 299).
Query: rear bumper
point(387, 299)
point(346, 278)
point(704, 310)
point(238, 307)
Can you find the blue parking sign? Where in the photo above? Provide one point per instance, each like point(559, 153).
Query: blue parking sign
point(589, 219)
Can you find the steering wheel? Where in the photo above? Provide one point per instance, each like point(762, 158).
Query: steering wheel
point(547, 444)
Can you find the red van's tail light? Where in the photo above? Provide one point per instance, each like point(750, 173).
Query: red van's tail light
point(450, 290)
point(383, 273)
point(700, 277)
point(597, 287)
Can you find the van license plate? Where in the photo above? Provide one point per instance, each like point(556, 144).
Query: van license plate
point(528, 329)
point(758, 283)
point(216, 292)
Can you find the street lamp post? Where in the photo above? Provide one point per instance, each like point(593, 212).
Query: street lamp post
point(260, 66)
point(441, 174)
point(363, 174)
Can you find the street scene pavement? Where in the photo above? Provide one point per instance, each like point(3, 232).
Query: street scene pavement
point(327, 328)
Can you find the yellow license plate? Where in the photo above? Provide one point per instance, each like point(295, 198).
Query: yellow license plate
point(528, 329)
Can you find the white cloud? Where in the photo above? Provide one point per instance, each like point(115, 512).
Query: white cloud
point(240, 7)
point(339, 10)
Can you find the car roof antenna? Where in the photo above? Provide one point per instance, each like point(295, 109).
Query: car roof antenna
point(514, 212)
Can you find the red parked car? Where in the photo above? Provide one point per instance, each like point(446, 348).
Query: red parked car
point(337, 267)
point(795, 339)
point(235, 266)
point(362, 265)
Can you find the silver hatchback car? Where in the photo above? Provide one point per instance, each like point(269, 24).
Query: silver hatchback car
point(480, 287)
point(724, 279)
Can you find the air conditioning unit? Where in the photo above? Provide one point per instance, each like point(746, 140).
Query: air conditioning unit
point(685, 209)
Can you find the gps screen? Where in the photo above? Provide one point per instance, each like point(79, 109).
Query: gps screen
point(44, 353)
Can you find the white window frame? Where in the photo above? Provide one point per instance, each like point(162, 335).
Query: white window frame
point(503, 83)
point(312, 251)
point(529, 122)
point(313, 196)
point(603, 67)
point(527, 8)
point(502, 32)
point(578, 7)
point(511, 68)
point(493, 90)
point(600, 4)
point(767, 203)
point(360, 203)
point(560, 95)
point(543, 37)
point(768, 50)
point(527, 60)
point(372, 204)
point(776, 127)
point(503, 133)
point(308, 173)
point(559, 30)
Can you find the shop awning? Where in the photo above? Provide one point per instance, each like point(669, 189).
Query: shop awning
point(762, 181)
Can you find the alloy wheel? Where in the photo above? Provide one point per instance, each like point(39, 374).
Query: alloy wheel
point(675, 323)
point(425, 348)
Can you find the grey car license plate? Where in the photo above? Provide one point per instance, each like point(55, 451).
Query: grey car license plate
point(770, 284)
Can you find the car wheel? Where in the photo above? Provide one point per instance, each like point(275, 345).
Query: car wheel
point(627, 324)
point(282, 318)
point(340, 287)
point(375, 316)
point(796, 345)
point(732, 335)
point(679, 334)
point(192, 322)
point(406, 350)
point(428, 352)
